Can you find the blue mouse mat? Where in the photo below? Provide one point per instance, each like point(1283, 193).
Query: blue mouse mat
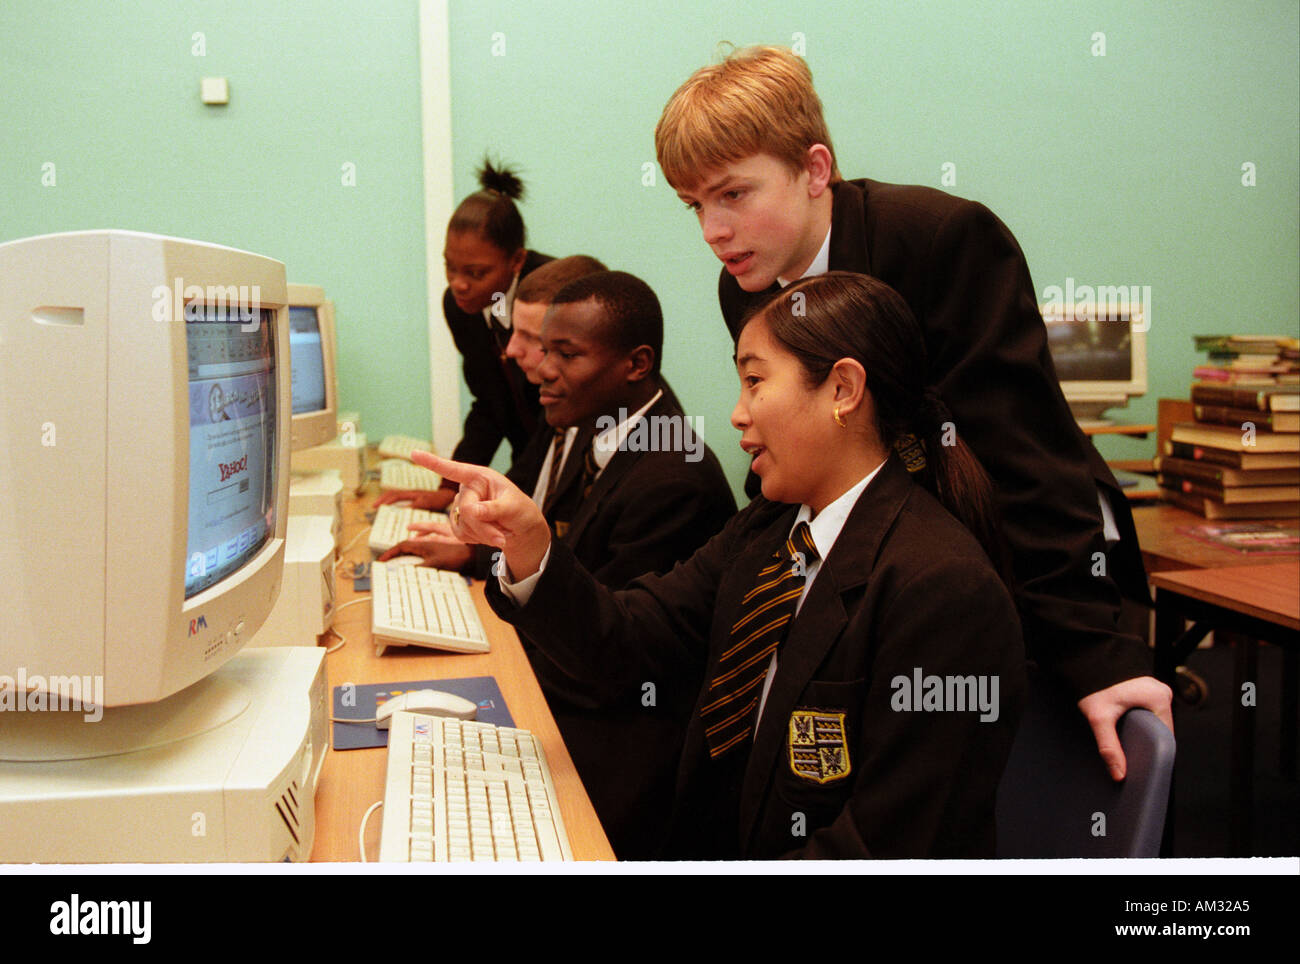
point(362, 700)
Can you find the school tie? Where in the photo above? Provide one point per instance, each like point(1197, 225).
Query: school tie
point(552, 480)
point(765, 616)
point(590, 469)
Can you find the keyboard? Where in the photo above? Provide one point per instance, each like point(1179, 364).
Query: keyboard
point(401, 446)
point(398, 474)
point(418, 606)
point(459, 790)
point(392, 525)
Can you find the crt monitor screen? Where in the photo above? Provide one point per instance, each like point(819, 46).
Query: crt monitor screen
point(232, 414)
point(1091, 350)
point(307, 361)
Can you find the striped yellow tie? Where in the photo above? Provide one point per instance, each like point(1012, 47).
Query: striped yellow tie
point(590, 469)
point(552, 480)
point(765, 615)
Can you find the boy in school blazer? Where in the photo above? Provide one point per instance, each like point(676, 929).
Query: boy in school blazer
point(647, 511)
point(773, 208)
point(651, 505)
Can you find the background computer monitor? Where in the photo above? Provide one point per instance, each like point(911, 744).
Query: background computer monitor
point(1100, 354)
point(315, 381)
point(143, 458)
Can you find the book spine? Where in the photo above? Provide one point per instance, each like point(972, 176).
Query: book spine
point(1212, 473)
point(1200, 453)
point(1221, 415)
point(1190, 469)
point(1229, 395)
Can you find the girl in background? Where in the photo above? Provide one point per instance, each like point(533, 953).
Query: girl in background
point(485, 257)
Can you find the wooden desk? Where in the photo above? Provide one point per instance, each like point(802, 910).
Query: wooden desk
point(1165, 547)
point(1116, 428)
point(351, 780)
point(1250, 596)
point(1270, 592)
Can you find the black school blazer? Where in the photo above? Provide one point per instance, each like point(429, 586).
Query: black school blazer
point(505, 404)
point(905, 588)
point(646, 512)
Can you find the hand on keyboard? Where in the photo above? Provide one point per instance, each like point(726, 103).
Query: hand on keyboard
point(435, 501)
point(438, 556)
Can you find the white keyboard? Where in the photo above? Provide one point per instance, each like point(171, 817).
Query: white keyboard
point(401, 446)
point(398, 474)
point(418, 606)
point(458, 790)
point(392, 525)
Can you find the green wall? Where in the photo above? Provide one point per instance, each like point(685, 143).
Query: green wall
point(1116, 169)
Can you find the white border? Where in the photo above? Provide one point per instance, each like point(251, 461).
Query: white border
point(435, 115)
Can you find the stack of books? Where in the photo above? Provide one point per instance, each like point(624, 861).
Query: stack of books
point(1240, 459)
point(1256, 360)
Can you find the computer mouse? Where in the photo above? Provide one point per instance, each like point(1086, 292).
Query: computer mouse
point(428, 702)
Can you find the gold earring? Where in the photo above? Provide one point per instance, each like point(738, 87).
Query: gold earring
point(838, 420)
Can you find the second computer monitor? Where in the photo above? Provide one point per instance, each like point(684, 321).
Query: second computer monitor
point(311, 348)
point(1099, 350)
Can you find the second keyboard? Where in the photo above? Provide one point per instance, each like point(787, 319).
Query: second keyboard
point(419, 606)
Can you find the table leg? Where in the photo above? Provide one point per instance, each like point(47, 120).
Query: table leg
point(1168, 627)
point(1290, 698)
point(1242, 792)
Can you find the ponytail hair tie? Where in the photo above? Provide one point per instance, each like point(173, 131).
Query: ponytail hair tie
point(933, 406)
point(912, 451)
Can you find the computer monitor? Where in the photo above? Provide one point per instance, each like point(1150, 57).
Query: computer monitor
point(1100, 354)
point(143, 458)
point(312, 341)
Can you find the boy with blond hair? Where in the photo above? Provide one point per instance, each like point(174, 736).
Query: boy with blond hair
point(744, 144)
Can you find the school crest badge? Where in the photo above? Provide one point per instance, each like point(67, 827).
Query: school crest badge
point(819, 749)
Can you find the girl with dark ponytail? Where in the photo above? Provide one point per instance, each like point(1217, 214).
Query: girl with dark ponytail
point(490, 215)
point(846, 315)
point(485, 257)
point(857, 659)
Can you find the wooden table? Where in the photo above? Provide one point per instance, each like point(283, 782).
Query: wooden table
point(351, 780)
point(1165, 547)
point(1251, 596)
point(1116, 428)
point(1267, 593)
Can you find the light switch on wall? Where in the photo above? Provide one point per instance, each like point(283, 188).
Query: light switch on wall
point(214, 90)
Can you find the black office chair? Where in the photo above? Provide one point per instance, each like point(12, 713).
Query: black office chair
point(1056, 798)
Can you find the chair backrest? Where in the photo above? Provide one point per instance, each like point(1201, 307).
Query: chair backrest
point(1056, 798)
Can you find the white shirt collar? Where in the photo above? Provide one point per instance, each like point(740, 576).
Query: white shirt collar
point(611, 440)
point(604, 446)
point(820, 264)
point(825, 530)
point(504, 320)
point(826, 527)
